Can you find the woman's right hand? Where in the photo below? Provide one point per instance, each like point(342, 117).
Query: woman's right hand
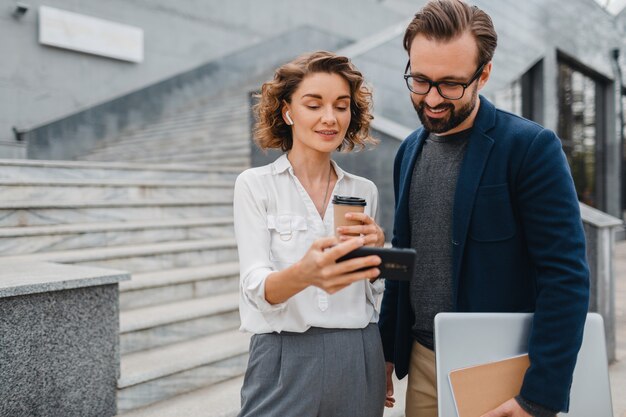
point(318, 267)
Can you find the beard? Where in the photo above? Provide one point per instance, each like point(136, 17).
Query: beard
point(455, 116)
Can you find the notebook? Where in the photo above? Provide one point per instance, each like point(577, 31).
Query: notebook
point(481, 388)
point(467, 339)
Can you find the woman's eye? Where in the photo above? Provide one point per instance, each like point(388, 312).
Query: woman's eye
point(313, 107)
point(342, 108)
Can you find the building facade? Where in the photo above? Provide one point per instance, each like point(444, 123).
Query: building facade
point(558, 63)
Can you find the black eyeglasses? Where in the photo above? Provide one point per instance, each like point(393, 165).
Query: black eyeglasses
point(447, 89)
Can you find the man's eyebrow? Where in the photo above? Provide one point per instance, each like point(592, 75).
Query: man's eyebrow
point(317, 96)
point(454, 78)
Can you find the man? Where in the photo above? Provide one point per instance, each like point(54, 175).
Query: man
point(487, 200)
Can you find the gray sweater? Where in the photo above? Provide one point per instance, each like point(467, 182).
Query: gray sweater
point(430, 215)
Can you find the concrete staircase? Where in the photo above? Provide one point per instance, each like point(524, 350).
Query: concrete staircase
point(214, 132)
point(162, 209)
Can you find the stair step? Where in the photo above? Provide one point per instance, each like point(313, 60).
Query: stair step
point(169, 139)
point(150, 288)
point(153, 375)
point(202, 110)
point(91, 189)
point(148, 153)
point(140, 258)
point(233, 146)
point(174, 132)
point(190, 121)
point(36, 213)
point(22, 169)
point(202, 117)
point(224, 400)
point(220, 400)
point(228, 118)
point(60, 237)
point(205, 159)
point(160, 325)
point(186, 140)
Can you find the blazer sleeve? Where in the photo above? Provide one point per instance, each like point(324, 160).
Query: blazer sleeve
point(552, 226)
point(389, 307)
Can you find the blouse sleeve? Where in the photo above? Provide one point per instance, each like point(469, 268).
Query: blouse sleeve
point(253, 244)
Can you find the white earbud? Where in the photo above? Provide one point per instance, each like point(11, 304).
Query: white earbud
point(288, 118)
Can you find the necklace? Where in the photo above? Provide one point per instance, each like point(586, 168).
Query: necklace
point(326, 193)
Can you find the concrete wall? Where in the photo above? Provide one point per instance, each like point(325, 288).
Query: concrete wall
point(243, 70)
point(39, 84)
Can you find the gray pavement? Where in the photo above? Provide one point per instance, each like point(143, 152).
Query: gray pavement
point(618, 369)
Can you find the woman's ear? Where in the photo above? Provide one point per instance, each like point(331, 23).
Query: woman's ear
point(288, 117)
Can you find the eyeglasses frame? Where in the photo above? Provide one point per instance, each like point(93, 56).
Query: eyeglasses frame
point(436, 84)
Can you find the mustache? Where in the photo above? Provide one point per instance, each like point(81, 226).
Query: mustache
point(442, 106)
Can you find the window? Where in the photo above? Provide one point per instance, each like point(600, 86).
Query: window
point(624, 115)
point(523, 96)
point(623, 145)
point(578, 129)
point(509, 98)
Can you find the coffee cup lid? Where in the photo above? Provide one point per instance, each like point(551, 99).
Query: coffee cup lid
point(348, 201)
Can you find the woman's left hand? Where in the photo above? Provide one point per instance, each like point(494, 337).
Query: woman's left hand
point(371, 232)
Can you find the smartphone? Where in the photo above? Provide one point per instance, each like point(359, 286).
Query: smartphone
point(397, 264)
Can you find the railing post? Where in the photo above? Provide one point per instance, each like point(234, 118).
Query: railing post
point(600, 233)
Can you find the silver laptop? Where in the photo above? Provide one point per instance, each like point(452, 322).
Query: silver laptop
point(466, 339)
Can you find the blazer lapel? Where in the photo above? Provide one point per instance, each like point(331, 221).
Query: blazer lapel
point(470, 174)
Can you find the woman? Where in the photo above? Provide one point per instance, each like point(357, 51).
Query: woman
point(316, 349)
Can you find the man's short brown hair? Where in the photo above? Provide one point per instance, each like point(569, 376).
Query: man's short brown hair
point(271, 131)
point(445, 20)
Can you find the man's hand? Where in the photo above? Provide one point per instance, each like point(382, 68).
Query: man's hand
point(509, 408)
point(389, 401)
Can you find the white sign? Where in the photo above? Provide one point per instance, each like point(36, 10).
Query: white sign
point(82, 33)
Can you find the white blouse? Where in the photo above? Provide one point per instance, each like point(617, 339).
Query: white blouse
point(275, 224)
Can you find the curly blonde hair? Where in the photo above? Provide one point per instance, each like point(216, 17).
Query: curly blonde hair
point(271, 131)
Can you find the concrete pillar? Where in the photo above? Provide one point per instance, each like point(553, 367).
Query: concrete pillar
point(59, 340)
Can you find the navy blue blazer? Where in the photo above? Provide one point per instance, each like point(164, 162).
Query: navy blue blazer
point(517, 246)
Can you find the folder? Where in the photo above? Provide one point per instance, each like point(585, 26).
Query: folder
point(481, 388)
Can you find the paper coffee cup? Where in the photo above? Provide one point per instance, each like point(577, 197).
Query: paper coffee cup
point(346, 204)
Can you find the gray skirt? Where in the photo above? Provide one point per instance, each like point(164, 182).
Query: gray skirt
point(318, 373)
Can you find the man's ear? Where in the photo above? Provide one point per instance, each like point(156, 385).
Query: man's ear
point(484, 77)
